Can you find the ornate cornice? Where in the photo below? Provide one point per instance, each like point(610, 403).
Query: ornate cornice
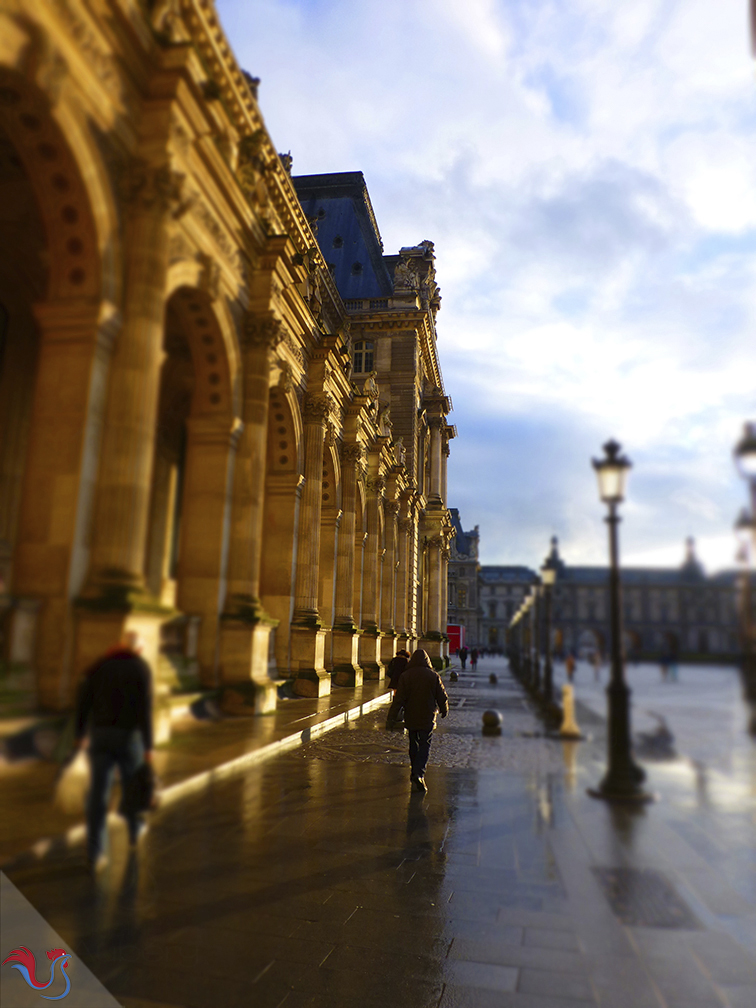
point(352, 454)
point(263, 332)
point(158, 188)
point(318, 408)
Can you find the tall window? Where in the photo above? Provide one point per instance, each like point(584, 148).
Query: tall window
point(363, 357)
point(463, 598)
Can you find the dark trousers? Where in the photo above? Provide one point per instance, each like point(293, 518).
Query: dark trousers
point(108, 748)
point(419, 751)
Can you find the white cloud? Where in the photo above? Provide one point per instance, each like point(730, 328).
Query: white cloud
point(587, 173)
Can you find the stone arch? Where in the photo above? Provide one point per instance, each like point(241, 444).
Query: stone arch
point(54, 412)
point(192, 311)
point(284, 455)
point(329, 532)
point(195, 441)
point(360, 528)
point(73, 245)
point(283, 486)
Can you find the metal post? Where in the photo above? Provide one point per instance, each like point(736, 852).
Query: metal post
point(623, 778)
point(548, 669)
point(537, 629)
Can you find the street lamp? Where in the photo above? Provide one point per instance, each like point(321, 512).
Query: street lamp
point(623, 778)
point(548, 576)
point(537, 628)
point(745, 528)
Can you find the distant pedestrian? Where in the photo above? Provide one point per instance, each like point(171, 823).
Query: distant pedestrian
point(420, 693)
point(597, 666)
point(569, 665)
point(114, 707)
point(664, 667)
point(474, 659)
point(397, 665)
point(463, 656)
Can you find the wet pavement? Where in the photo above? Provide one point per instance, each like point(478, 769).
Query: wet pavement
point(318, 878)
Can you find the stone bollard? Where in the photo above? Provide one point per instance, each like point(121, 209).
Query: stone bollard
point(453, 677)
point(570, 727)
point(492, 720)
point(493, 678)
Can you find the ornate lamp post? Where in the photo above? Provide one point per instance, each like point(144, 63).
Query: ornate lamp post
point(745, 528)
point(623, 778)
point(548, 576)
point(537, 631)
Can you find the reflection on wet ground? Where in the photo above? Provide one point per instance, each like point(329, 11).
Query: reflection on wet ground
point(319, 879)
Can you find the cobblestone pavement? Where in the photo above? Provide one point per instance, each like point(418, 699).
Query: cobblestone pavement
point(320, 879)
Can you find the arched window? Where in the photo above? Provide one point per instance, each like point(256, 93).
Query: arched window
point(363, 357)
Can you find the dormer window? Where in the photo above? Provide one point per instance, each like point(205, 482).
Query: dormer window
point(356, 268)
point(362, 361)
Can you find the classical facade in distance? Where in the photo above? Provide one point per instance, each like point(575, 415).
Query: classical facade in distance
point(666, 610)
point(222, 416)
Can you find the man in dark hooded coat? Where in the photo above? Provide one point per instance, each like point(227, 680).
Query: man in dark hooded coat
point(421, 693)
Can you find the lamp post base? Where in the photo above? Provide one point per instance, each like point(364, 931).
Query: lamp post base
point(638, 797)
point(623, 786)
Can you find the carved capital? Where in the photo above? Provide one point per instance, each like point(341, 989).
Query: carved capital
point(352, 454)
point(263, 332)
point(318, 408)
point(405, 525)
point(436, 422)
point(160, 189)
point(436, 541)
point(376, 485)
point(391, 507)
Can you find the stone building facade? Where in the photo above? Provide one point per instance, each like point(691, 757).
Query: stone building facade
point(666, 610)
point(464, 608)
point(194, 440)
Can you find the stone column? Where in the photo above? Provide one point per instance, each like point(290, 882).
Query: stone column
point(245, 627)
point(370, 642)
point(114, 597)
point(50, 558)
point(307, 635)
point(432, 635)
point(346, 635)
point(203, 547)
point(444, 577)
point(388, 590)
point(403, 583)
point(436, 424)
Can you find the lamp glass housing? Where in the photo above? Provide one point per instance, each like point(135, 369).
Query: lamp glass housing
point(548, 575)
point(745, 452)
point(611, 473)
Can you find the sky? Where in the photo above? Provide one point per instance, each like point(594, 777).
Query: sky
point(587, 172)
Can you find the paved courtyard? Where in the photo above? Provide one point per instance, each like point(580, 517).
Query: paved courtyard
point(317, 878)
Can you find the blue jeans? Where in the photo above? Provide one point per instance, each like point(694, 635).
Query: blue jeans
point(419, 751)
point(108, 748)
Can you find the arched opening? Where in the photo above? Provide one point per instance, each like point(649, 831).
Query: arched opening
point(23, 281)
point(191, 484)
point(50, 279)
point(360, 530)
point(329, 532)
point(281, 516)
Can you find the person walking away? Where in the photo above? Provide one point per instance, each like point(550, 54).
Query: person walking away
point(397, 665)
point(474, 659)
point(114, 707)
point(569, 665)
point(597, 666)
point(463, 656)
point(421, 693)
